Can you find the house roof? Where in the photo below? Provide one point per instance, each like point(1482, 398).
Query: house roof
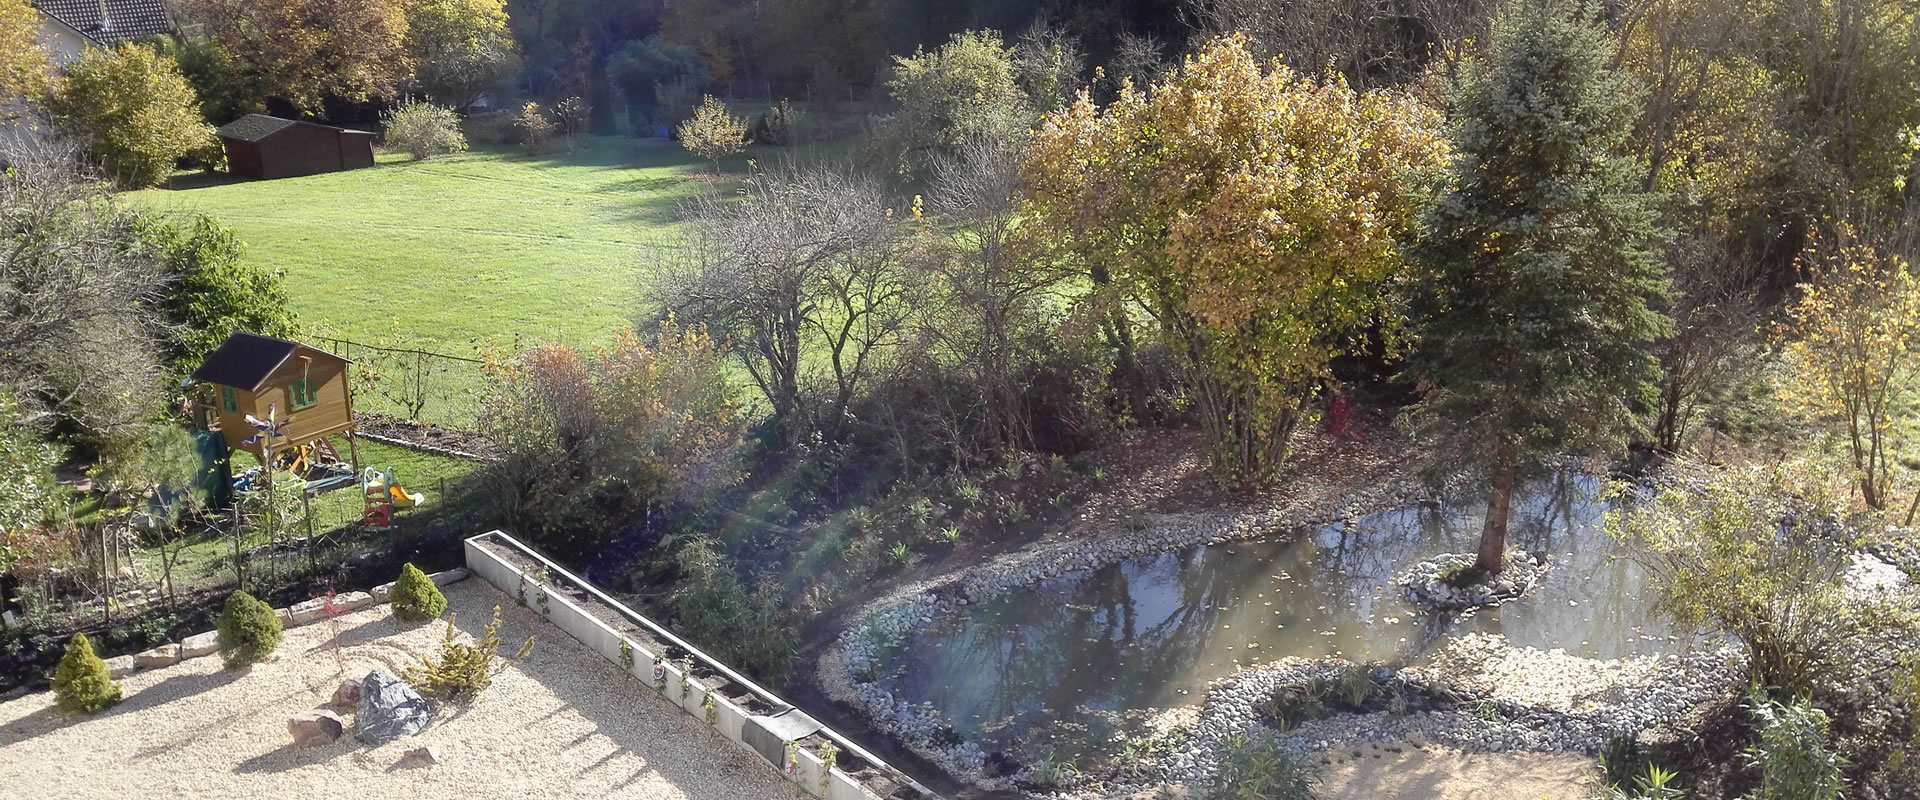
point(245, 360)
point(109, 22)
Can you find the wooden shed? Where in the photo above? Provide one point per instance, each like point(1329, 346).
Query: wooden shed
point(273, 394)
point(259, 146)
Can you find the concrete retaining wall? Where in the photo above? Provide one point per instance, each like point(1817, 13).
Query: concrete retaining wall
point(677, 687)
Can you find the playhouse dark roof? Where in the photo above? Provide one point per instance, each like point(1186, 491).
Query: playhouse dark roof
point(255, 127)
point(109, 22)
point(245, 360)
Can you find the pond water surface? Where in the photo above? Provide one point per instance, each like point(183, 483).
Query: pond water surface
point(1153, 631)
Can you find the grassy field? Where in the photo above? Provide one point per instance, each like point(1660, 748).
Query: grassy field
point(478, 248)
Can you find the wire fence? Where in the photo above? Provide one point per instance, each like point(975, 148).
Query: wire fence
point(413, 384)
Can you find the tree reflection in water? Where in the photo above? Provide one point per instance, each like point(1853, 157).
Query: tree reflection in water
point(1153, 631)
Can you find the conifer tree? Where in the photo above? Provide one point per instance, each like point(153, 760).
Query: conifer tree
point(81, 684)
point(1533, 299)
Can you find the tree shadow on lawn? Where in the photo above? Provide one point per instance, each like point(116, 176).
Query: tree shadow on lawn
point(597, 691)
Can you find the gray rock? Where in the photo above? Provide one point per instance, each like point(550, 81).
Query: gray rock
point(313, 728)
point(165, 655)
point(388, 709)
point(307, 612)
point(351, 601)
point(120, 666)
point(382, 593)
point(200, 644)
point(450, 576)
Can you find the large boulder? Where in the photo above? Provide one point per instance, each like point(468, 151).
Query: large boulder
point(314, 728)
point(165, 655)
point(120, 666)
point(388, 709)
point(200, 644)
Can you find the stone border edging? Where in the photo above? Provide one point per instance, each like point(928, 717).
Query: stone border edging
point(298, 615)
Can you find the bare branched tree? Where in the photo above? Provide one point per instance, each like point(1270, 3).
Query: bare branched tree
point(1374, 43)
point(802, 278)
point(79, 295)
point(992, 287)
point(1719, 310)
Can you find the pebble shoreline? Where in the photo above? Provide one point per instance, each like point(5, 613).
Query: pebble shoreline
point(1639, 693)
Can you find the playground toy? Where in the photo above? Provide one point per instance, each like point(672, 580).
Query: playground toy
point(383, 495)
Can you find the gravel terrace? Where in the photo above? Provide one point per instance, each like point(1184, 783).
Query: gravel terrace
point(559, 724)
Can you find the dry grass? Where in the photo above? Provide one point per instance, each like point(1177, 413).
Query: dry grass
point(564, 723)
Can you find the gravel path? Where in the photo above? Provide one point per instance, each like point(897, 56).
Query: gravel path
point(558, 725)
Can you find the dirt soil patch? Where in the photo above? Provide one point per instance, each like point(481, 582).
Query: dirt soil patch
point(1377, 772)
point(563, 723)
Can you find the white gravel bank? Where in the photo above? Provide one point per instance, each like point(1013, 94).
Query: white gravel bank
point(560, 724)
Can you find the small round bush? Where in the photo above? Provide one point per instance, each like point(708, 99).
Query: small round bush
point(415, 598)
point(248, 630)
point(424, 130)
point(80, 683)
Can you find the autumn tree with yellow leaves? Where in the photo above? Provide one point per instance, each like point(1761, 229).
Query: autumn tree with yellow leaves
point(1253, 211)
point(1854, 333)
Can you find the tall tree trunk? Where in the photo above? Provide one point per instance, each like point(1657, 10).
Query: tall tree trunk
point(1493, 538)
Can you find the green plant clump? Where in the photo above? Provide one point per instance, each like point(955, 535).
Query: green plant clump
point(415, 597)
point(248, 630)
point(80, 683)
point(1461, 576)
point(1258, 770)
point(463, 669)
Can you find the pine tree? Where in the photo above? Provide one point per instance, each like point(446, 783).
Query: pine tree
point(1532, 303)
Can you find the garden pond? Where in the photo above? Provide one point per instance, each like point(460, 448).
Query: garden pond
point(1153, 631)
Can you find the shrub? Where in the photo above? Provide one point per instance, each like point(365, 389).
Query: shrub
point(532, 128)
point(415, 597)
point(213, 291)
point(777, 126)
point(718, 612)
point(424, 130)
point(1289, 706)
point(712, 133)
point(572, 114)
point(463, 669)
point(1258, 770)
point(80, 683)
point(248, 630)
point(1760, 554)
point(132, 109)
point(1462, 575)
point(1792, 754)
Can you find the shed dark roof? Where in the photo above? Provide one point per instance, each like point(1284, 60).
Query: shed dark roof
point(110, 22)
point(245, 360)
point(255, 127)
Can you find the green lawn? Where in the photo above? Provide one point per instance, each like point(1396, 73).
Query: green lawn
point(478, 248)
